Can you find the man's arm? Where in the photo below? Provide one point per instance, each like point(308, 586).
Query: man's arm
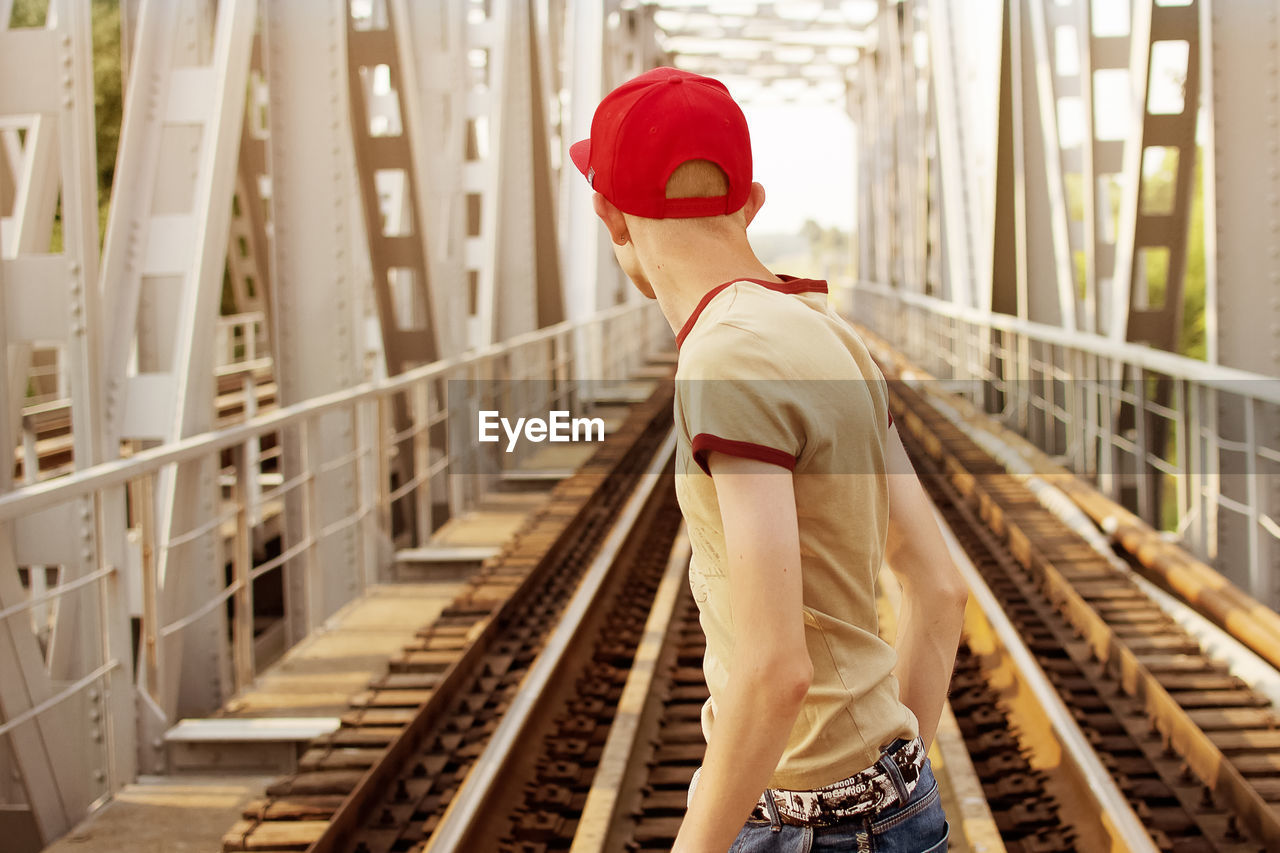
point(770, 670)
point(933, 593)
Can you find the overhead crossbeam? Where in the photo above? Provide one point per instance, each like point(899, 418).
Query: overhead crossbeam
point(803, 49)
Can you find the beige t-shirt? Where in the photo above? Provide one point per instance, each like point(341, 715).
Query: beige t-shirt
point(769, 371)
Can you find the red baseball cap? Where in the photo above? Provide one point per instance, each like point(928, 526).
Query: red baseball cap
point(651, 124)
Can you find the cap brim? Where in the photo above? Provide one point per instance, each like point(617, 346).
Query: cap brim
point(580, 153)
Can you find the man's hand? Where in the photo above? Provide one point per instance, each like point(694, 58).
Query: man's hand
point(933, 593)
point(770, 670)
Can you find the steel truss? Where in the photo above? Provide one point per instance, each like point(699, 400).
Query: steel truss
point(378, 185)
point(1054, 152)
point(385, 184)
point(65, 655)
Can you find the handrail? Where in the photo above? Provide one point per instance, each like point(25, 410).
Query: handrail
point(48, 493)
point(1260, 387)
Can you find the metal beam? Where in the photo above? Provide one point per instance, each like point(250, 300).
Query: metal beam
point(314, 205)
point(1241, 77)
point(381, 85)
point(164, 259)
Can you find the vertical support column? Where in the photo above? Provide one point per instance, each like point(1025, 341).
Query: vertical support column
point(312, 168)
point(83, 747)
point(1152, 234)
point(519, 215)
point(435, 34)
point(382, 91)
point(1241, 78)
point(589, 282)
point(965, 55)
point(1150, 228)
point(163, 266)
point(380, 88)
point(1050, 288)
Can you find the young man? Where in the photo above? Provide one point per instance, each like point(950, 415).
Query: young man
point(794, 487)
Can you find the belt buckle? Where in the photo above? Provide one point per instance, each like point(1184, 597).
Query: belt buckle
point(864, 796)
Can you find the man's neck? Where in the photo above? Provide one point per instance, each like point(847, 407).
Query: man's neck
point(680, 282)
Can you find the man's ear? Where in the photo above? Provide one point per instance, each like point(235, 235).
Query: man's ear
point(612, 219)
point(755, 201)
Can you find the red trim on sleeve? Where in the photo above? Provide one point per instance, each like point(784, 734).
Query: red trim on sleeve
point(890, 414)
point(704, 443)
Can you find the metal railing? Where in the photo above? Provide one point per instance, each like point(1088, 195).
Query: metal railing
point(1193, 448)
point(202, 577)
point(240, 349)
point(241, 338)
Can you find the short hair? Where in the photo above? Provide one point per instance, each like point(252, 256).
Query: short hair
point(697, 179)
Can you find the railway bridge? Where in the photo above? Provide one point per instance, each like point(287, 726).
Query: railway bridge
point(263, 263)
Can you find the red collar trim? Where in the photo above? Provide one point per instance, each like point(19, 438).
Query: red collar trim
point(789, 284)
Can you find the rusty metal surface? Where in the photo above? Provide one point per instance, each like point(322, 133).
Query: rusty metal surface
point(1169, 718)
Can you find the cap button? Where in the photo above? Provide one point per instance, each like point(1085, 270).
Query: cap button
point(675, 79)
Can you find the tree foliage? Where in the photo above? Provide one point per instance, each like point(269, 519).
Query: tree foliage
point(107, 87)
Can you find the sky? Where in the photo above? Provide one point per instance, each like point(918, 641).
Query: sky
point(803, 155)
point(804, 150)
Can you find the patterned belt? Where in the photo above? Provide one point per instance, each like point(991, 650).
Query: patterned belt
point(883, 785)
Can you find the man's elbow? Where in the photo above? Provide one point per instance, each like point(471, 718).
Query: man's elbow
point(796, 682)
point(952, 593)
point(929, 578)
point(782, 680)
point(785, 679)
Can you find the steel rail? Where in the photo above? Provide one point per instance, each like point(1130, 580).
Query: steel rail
point(1115, 818)
point(466, 807)
point(618, 758)
point(557, 547)
point(1181, 735)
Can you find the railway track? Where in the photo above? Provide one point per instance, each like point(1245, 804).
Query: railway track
point(511, 727)
point(407, 744)
point(1194, 749)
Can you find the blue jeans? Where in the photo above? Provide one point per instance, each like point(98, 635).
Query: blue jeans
point(918, 826)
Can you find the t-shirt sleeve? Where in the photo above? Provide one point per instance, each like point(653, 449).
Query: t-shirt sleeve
point(734, 401)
